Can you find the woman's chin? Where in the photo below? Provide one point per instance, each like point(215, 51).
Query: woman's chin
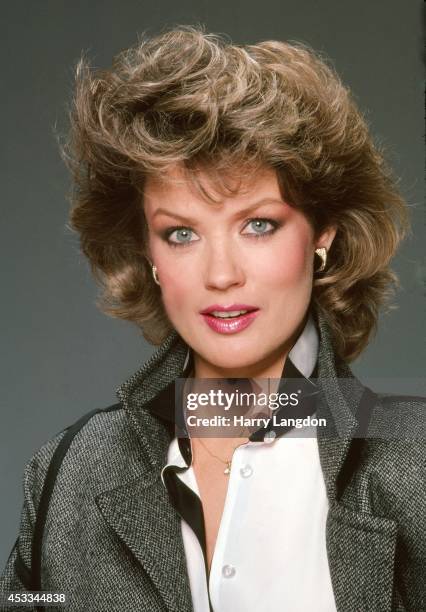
point(233, 364)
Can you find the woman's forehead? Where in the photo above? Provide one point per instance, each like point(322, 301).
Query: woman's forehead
point(205, 185)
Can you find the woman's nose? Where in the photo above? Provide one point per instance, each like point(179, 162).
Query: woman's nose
point(223, 267)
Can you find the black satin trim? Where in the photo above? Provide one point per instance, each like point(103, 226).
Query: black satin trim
point(22, 571)
point(187, 503)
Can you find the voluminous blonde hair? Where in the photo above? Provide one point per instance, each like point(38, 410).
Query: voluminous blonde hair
point(190, 98)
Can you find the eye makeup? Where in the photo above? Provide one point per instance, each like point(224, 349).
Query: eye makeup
point(166, 234)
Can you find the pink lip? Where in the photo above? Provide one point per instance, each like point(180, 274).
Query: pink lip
point(229, 326)
point(228, 308)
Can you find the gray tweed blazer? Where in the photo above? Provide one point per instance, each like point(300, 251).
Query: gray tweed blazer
point(112, 540)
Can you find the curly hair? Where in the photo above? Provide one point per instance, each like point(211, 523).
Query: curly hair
point(191, 98)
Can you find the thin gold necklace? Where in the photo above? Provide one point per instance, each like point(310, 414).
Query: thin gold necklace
point(227, 470)
point(227, 463)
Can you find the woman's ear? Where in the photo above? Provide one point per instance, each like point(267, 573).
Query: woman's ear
point(326, 238)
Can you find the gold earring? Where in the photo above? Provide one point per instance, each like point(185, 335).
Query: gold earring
point(154, 274)
point(322, 252)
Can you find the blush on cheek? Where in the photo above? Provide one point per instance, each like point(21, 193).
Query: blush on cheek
point(175, 297)
point(291, 267)
point(289, 259)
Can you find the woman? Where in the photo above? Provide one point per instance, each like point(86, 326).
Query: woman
point(233, 205)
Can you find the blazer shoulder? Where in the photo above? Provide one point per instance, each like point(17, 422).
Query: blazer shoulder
point(97, 431)
point(35, 473)
point(85, 426)
point(397, 446)
point(398, 417)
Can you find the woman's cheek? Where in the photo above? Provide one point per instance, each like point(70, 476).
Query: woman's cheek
point(289, 265)
point(175, 292)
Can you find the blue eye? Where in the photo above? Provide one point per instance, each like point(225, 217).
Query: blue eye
point(260, 227)
point(182, 236)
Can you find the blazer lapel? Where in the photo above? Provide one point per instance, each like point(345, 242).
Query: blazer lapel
point(141, 516)
point(140, 512)
point(360, 546)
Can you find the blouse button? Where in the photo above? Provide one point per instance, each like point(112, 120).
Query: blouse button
point(269, 436)
point(246, 471)
point(228, 571)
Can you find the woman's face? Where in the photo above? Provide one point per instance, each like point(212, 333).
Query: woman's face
point(250, 252)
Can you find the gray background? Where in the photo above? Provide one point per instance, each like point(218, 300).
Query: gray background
point(60, 356)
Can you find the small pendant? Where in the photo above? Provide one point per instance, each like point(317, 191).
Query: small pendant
point(227, 470)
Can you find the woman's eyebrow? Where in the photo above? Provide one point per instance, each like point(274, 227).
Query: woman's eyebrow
point(240, 213)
